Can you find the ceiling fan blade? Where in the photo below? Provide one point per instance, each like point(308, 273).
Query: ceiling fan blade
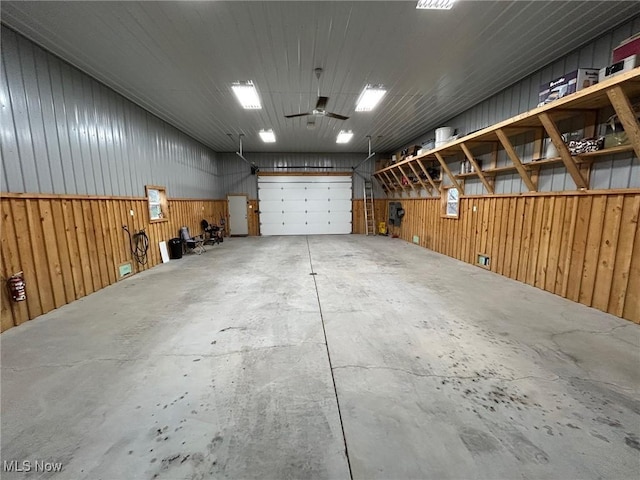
point(298, 115)
point(335, 115)
point(322, 103)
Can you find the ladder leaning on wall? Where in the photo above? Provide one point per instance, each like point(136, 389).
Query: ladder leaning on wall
point(369, 215)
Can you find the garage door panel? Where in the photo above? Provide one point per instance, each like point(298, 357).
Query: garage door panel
point(318, 205)
point(271, 205)
point(318, 194)
point(293, 206)
point(326, 218)
point(270, 194)
point(328, 207)
point(271, 217)
point(341, 194)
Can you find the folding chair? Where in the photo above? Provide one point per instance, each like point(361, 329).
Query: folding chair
point(191, 244)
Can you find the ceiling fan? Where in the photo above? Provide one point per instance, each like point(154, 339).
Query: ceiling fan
point(321, 104)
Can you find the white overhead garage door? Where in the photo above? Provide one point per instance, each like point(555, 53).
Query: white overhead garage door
point(304, 204)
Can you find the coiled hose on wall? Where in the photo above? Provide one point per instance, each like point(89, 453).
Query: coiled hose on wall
point(139, 245)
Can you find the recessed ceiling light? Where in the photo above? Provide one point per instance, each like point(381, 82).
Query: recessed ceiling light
point(344, 136)
point(369, 98)
point(267, 136)
point(435, 4)
point(247, 95)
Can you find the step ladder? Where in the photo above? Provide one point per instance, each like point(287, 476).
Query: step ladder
point(369, 210)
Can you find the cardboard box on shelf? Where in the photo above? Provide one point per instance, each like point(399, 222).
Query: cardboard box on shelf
point(628, 47)
point(382, 163)
point(616, 68)
point(567, 84)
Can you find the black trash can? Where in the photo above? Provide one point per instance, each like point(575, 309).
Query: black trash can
point(175, 248)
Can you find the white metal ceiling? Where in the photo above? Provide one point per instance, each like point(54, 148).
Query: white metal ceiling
point(178, 59)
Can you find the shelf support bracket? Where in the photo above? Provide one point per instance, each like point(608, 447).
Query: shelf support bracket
point(404, 175)
point(394, 189)
point(513, 155)
point(454, 180)
point(626, 115)
point(429, 179)
point(426, 186)
point(473, 162)
point(397, 180)
point(381, 181)
point(569, 162)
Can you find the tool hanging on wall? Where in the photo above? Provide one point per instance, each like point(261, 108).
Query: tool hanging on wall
point(139, 245)
point(17, 287)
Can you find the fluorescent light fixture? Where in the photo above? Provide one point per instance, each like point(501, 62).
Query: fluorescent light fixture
point(435, 4)
point(344, 136)
point(247, 95)
point(369, 98)
point(267, 136)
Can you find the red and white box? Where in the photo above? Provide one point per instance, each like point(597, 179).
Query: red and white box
point(627, 48)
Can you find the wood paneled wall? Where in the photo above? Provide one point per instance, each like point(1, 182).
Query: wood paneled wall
point(584, 247)
point(253, 216)
point(71, 246)
point(357, 225)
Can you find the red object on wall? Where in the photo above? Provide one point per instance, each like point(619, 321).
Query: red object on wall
point(16, 287)
point(631, 46)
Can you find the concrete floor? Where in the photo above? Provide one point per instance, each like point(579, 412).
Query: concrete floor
point(216, 366)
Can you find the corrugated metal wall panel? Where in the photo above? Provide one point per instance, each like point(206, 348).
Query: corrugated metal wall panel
point(523, 96)
point(618, 172)
point(237, 176)
point(65, 133)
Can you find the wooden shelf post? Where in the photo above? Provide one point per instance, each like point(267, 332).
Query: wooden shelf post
point(451, 176)
point(424, 170)
point(426, 186)
point(513, 155)
point(570, 164)
point(473, 162)
point(627, 116)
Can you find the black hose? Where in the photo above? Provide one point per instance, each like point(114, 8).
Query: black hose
point(139, 245)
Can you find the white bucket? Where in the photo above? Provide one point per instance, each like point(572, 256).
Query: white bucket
point(443, 133)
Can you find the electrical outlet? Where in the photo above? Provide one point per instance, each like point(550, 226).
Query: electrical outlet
point(475, 209)
point(131, 212)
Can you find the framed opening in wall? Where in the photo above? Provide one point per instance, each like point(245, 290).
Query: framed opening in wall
point(450, 202)
point(157, 202)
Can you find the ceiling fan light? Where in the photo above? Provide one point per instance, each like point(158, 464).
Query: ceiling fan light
point(247, 95)
point(344, 136)
point(435, 4)
point(370, 97)
point(267, 136)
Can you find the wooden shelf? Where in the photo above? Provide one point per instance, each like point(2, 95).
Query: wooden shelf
point(614, 92)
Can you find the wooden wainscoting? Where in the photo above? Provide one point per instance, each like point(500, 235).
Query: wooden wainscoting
point(582, 246)
point(253, 217)
point(70, 246)
point(380, 206)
